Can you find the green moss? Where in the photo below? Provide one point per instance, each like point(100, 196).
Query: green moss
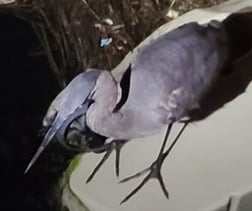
point(73, 165)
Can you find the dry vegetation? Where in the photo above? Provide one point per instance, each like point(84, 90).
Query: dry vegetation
point(71, 30)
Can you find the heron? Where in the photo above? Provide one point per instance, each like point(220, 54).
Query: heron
point(65, 108)
point(166, 80)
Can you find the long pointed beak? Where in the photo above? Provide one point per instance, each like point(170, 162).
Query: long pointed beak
point(34, 158)
point(47, 139)
point(59, 132)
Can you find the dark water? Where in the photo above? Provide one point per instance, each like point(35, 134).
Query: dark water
point(27, 86)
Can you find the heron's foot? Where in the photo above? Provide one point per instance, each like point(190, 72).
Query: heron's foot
point(154, 173)
point(114, 145)
point(155, 168)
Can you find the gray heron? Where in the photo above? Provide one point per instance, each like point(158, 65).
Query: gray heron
point(165, 81)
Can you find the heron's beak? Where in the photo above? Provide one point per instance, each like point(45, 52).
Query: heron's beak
point(47, 139)
point(58, 131)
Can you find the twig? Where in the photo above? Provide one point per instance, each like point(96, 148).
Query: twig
point(91, 10)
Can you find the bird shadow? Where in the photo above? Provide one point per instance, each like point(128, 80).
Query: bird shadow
point(237, 76)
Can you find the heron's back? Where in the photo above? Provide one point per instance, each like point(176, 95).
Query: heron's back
point(188, 58)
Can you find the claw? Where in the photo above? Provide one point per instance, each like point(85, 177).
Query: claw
point(145, 180)
point(162, 185)
point(155, 168)
point(105, 157)
point(154, 173)
point(139, 174)
point(114, 145)
point(118, 148)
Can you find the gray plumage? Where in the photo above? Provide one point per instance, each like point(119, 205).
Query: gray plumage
point(167, 80)
point(67, 106)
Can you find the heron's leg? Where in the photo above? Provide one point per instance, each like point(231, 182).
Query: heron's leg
point(155, 168)
point(113, 145)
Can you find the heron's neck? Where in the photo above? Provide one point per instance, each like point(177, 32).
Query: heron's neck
point(100, 116)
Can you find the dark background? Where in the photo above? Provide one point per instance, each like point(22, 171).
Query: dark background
point(27, 87)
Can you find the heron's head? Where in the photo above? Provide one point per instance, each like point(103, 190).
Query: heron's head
point(80, 138)
point(70, 104)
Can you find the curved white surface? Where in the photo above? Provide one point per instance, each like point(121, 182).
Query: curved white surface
point(212, 159)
